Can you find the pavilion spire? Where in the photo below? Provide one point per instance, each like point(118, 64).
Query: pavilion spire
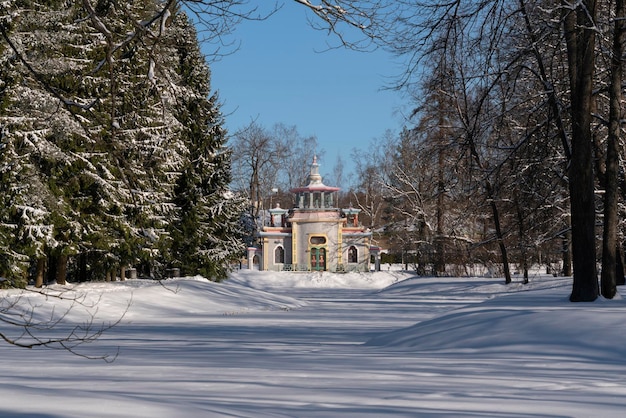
point(315, 177)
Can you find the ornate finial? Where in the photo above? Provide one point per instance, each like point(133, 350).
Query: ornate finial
point(315, 177)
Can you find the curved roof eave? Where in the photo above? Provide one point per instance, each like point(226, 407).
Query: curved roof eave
point(316, 188)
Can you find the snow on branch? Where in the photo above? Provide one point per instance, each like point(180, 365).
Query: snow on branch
point(365, 18)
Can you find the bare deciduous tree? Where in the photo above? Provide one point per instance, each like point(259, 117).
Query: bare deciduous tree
point(610, 254)
point(579, 22)
point(256, 163)
point(298, 153)
point(371, 167)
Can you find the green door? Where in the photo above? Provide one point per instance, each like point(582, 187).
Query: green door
point(318, 258)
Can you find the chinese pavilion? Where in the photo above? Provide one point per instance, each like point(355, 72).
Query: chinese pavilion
point(314, 235)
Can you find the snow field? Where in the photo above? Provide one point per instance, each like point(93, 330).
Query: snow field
point(268, 344)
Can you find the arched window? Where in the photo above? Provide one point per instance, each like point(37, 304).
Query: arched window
point(352, 254)
point(279, 255)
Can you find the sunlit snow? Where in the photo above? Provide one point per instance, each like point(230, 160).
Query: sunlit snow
point(381, 344)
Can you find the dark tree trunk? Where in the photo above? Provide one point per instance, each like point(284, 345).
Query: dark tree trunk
point(491, 197)
point(579, 30)
point(608, 277)
point(522, 240)
point(51, 270)
point(440, 261)
point(41, 271)
point(82, 267)
point(61, 270)
point(567, 254)
point(499, 236)
point(620, 280)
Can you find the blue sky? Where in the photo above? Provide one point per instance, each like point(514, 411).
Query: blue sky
point(279, 75)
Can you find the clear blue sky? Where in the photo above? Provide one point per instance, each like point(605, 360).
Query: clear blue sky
point(279, 75)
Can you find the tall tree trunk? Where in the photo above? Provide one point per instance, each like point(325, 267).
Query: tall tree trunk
point(61, 270)
point(579, 28)
point(499, 236)
point(620, 279)
point(255, 192)
point(567, 254)
point(82, 267)
point(50, 276)
point(522, 240)
point(555, 106)
point(440, 261)
point(41, 270)
point(491, 197)
point(608, 278)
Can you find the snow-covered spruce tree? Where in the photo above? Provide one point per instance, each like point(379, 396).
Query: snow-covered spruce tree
point(56, 118)
point(207, 235)
point(166, 144)
point(135, 123)
point(35, 219)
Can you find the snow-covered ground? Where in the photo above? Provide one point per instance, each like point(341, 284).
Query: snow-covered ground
point(322, 345)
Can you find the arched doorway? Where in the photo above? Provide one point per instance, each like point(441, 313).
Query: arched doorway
point(256, 262)
point(279, 255)
point(353, 255)
point(318, 258)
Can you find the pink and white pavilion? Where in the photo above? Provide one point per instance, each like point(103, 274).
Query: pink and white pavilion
point(314, 235)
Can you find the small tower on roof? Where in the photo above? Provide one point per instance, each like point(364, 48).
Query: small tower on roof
point(315, 195)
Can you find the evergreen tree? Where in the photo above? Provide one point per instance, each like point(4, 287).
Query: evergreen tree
point(207, 234)
point(35, 127)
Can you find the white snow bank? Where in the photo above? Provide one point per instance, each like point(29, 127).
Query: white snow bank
point(143, 300)
point(515, 318)
point(321, 280)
